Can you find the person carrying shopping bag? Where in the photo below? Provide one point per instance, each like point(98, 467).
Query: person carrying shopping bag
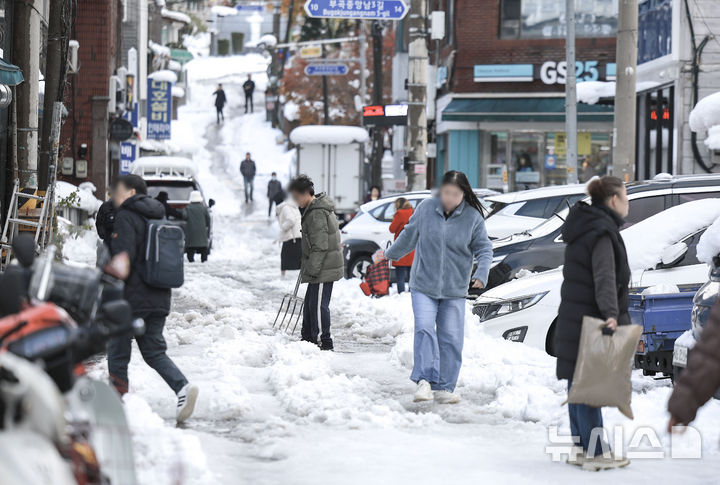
point(403, 211)
point(446, 231)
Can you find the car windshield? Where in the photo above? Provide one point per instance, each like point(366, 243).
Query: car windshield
point(176, 190)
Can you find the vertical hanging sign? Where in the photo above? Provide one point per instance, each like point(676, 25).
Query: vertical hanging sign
point(159, 109)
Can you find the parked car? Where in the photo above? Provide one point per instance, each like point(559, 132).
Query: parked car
point(661, 250)
point(174, 175)
point(517, 212)
point(541, 248)
point(369, 229)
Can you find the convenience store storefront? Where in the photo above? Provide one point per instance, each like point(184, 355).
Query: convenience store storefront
point(516, 142)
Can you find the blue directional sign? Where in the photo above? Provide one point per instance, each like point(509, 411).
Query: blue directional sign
point(357, 9)
point(326, 69)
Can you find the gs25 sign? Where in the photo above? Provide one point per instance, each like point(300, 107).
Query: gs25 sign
point(552, 72)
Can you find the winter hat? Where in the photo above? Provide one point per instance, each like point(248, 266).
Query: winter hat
point(196, 196)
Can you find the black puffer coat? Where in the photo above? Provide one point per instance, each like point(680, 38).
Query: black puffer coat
point(582, 229)
point(129, 235)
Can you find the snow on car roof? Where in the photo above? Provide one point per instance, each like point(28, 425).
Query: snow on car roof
point(539, 193)
point(161, 166)
point(646, 240)
point(328, 135)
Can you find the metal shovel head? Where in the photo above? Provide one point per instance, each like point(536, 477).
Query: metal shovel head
point(291, 311)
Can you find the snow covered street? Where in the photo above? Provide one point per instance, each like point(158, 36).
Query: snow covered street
point(273, 410)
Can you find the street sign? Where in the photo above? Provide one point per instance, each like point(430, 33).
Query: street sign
point(310, 51)
point(159, 110)
point(385, 115)
point(326, 69)
point(127, 156)
point(121, 129)
point(357, 9)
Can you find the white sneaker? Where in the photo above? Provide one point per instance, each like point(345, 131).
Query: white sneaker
point(576, 456)
point(423, 392)
point(604, 463)
point(186, 402)
point(446, 397)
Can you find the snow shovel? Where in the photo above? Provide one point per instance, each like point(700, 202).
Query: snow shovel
point(292, 305)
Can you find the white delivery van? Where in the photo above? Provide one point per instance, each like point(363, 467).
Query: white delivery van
point(334, 158)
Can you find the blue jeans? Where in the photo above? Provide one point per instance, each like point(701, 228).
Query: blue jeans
point(249, 186)
point(583, 419)
point(401, 276)
point(439, 336)
point(153, 349)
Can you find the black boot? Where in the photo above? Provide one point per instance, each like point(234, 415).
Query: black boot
point(326, 344)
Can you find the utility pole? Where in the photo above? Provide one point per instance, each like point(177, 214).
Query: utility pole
point(326, 108)
point(624, 135)
point(570, 96)
point(55, 69)
point(274, 64)
point(377, 146)
point(26, 54)
point(363, 69)
point(417, 96)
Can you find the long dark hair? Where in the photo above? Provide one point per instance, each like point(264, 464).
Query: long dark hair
point(460, 180)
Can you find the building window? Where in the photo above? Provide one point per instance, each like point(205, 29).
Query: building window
point(538, 19)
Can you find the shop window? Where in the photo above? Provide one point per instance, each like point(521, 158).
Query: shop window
point(538, 19)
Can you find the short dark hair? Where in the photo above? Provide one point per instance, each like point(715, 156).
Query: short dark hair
point(132, 181)
point(603, 188)
point(274, 173)
point(302, 184)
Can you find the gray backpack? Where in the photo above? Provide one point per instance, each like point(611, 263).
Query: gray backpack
point(164, 249)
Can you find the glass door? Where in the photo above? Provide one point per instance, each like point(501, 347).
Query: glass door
point(525, 160)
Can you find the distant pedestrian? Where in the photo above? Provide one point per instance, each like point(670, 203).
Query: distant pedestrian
point(447, 233)
point(249, 89)
point(289, 219)
point(596, 276)
point(220, 100)
point(274, 188)
point(134, 208)
point(322, 261)
point(403, 211)
point(248, 170)
point(170, 212)
point(197, 228)
point(374, 194)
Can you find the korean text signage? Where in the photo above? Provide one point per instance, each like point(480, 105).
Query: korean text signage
point(387, 115)
point(550, 72)
point(326, 69)
point(159, 110)
point(310, 51)
point(493, 73)
point(357, 9)
point(127, 156)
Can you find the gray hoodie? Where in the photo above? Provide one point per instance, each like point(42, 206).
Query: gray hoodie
point(444, 249)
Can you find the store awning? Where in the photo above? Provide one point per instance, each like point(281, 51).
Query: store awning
point(520, 109)
point(10, 74)
point(181, 55)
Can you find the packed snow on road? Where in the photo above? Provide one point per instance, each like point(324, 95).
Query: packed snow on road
point(274, 410)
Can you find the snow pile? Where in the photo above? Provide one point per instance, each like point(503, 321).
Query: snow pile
point(79, 197)
point(706, 113)
point(175, 16)
point(291, 111)
point(590, 92)
point(646, 240)
point(336, 135)
point(709, 245)
point(163, 75)
point(661, 289)
point(223, 11)
point(268, 40)
point(226, 69)
point(713, 139)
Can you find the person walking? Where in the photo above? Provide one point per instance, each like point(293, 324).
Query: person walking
point(321, 262)
point(170, 212)
point(248, 170)
point(446, 231)
point(596, 276)
point(403, 211)
point(220, 100)
point(134, 208)
point(289, 219)
point(249, 89)
point(197, 227)
point(274, 189)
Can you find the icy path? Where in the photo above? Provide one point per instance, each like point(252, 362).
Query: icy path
point(276, 411)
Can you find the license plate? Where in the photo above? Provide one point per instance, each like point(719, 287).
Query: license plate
point(680, 356)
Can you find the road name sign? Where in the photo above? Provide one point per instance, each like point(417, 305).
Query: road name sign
point(326, 69)
point(357, 9)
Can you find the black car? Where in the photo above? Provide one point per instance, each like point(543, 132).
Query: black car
point(542, 248)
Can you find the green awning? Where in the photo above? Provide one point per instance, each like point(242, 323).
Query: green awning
point(10, 74)
point(521, 109)
point(181, 55)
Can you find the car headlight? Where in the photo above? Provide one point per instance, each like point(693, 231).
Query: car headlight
point(497, 260)
point(497, 308)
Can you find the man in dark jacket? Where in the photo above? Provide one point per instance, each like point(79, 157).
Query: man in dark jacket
point(274, 188)
point(134, 209)
point(322, 262)
point(249, 89)
point(104, 221)
point(248, 169)
point(220, 101)
point(170, 212)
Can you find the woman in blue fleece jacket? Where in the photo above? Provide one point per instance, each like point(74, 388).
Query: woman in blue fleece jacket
point(446, 232)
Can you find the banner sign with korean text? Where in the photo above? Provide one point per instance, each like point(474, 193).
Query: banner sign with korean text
point(159, 110)
point(357, 9)
point(127, 156)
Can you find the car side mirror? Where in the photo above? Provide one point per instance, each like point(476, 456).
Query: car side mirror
point(672, 255)
point(211, 202)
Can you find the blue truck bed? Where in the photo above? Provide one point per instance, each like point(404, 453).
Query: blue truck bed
point(664, 318)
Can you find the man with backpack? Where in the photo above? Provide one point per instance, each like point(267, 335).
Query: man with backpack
point(248, 169)
point(137, 214)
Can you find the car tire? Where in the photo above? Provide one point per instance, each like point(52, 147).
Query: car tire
point(359, 264)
